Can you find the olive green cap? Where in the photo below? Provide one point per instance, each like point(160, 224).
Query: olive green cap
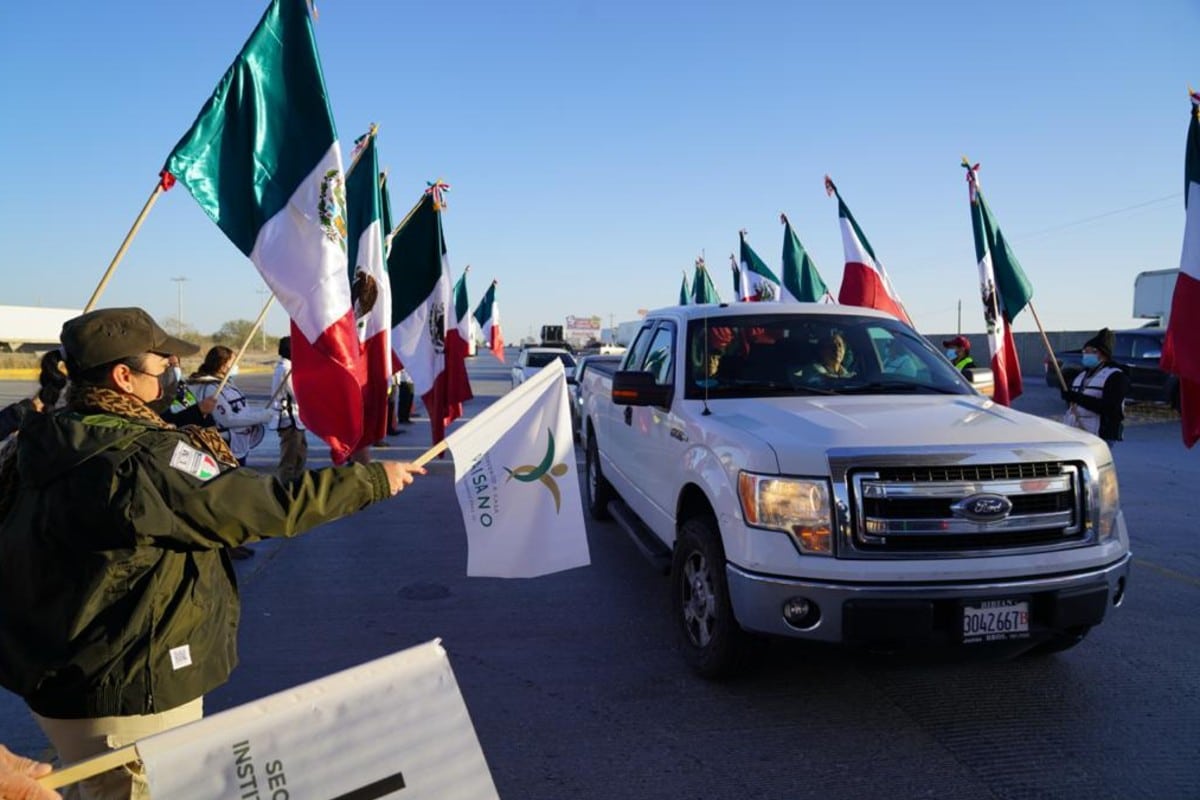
point(111, 334)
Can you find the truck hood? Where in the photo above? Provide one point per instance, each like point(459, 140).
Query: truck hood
point(804, 431)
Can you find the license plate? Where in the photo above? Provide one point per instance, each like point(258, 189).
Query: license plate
point(995, 621)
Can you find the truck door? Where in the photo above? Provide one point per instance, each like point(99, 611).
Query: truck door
point(650, 448)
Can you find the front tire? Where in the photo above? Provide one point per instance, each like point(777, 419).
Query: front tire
point(714, 645)
point(599, 490)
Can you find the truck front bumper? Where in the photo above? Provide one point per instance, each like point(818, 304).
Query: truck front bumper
point(888, 615)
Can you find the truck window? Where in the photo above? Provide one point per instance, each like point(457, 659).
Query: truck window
point(658, 357)
point(641, 343)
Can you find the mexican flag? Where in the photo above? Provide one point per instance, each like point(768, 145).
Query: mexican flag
point(262, 160)
point(421, 304)
point(739, 293)
point(864, 281)
point(1004, 289)
point(703, 290)
point(458, 345)
point(487, 314)
point(370, 289)
point(683, 291)
point(1181, 346)
point(758, 281)
point(801, 281)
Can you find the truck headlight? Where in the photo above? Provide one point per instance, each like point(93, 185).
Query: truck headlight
point(1108, 503)
point(796, 506)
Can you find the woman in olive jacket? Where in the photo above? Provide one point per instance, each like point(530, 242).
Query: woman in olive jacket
point(118, 601)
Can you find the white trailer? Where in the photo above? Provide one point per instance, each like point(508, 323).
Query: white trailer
point(32, 329)
point(1152, 293)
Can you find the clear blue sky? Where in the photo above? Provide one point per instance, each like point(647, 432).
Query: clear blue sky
point(595, 149)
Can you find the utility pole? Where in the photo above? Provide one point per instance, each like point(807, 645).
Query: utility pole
point(263, 293)
point(179, 281)
point(960, 316)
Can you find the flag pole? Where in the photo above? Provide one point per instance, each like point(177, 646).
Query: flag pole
point(90, 767)
point(1053, 360)
point(370, 135)
point(165, 182)
point(249, 337)
point(431, 454)
point(280, 388)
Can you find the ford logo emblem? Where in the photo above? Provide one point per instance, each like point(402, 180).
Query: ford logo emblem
point(983, 507)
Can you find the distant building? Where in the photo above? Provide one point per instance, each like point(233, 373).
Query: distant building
point(32, 329)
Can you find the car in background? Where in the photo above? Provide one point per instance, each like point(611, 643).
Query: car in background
point(1138, 351)
point(591, 361)
point(532, 359)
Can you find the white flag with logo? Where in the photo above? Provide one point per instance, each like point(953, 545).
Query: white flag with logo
point(393, 727)
point(515, 475)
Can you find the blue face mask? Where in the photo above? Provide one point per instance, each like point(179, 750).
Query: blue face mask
point(951, 353)
point(1090, 360)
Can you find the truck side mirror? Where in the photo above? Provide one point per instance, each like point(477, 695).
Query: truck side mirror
point(630, 388)
point(982, 380)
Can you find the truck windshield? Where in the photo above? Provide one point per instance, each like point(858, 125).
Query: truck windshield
point(757, 355)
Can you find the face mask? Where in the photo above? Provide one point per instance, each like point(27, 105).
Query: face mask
point(233, 370)
point(168, 382)
point(951, 353)
point(1090, 360)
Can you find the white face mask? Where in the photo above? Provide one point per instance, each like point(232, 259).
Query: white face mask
point(233, 371)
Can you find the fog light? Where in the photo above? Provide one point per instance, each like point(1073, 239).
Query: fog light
point(800, 612)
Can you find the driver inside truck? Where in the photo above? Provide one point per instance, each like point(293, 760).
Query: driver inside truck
point(831, 359)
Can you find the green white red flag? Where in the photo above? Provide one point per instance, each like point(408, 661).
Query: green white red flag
point(703, 290)
point(458, 345)
point(421, 305)
point(1181, 346)
point(739, 293)
point(487, 315)
point(864, 280)
point(262, 159)
point(1003, 288)
point(758, 282)
point(801, 281)
point(370, 289)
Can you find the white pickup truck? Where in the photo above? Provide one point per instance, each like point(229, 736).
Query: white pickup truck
point(821, 472)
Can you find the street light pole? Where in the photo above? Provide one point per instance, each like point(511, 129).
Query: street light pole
point(179, 281)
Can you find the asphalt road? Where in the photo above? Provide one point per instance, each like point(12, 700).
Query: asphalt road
point(576, 688)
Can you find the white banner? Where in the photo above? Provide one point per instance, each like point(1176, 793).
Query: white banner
point(393, 727)
point(517, 485)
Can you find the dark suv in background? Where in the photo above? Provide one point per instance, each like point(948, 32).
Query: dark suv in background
point(1138, 351)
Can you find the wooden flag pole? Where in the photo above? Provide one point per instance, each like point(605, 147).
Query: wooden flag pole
point(431, 454)
point(279, 389)
point(137, 224)
point(249, 337)
point(88, 768)
point(1050, 350)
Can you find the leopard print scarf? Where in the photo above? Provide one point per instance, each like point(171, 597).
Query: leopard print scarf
point(92, 399)
point(98, 399)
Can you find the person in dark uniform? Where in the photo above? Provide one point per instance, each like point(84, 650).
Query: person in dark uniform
point(1096, 399)
point(118, 600)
